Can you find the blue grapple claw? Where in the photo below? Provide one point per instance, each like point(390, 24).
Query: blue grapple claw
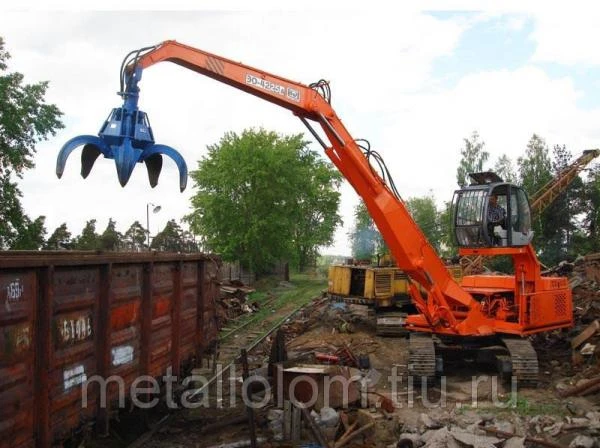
point(126, 137)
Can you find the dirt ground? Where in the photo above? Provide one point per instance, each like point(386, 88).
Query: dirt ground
point(468, 407)
point(469, 392)
point(450, 410)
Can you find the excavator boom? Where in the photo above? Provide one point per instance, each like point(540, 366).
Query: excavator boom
point(406, 241)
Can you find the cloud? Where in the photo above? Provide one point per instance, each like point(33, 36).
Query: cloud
point(505, 107)
point(568, 37)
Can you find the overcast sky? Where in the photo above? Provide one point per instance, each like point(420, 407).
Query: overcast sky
point(413, 83)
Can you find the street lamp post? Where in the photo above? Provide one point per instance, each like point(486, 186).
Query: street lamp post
point(156, 209)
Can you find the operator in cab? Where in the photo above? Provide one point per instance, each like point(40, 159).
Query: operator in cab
point(496, 216)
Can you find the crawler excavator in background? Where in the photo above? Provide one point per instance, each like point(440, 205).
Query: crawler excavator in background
point(480, 312)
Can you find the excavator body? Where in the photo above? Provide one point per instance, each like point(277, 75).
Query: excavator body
point(521, 303)
point(477, 308)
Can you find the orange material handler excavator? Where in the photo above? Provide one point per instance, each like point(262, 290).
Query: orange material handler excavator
point(482, 311)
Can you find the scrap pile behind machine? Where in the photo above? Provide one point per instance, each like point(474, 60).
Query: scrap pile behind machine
point(234, 301)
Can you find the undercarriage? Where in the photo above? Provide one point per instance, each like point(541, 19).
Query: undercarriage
point(513, 358)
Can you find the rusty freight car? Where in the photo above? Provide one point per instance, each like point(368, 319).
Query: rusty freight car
point(68, 316)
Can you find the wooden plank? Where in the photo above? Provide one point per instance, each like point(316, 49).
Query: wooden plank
point(577, 390)
point(296, 424)
point(287, 420)
point(585, 334)
point(343, 441)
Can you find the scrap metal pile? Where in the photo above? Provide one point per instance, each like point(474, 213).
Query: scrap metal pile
point(584, 337)
point(372, 419)
point(579, 347)
point(234, 301)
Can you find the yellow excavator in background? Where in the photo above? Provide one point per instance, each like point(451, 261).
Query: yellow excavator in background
point(382, 285)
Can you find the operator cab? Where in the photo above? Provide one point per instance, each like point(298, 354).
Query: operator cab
point(491, 213)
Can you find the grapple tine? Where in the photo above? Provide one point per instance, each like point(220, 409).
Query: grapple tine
point(175, 156)
point(154, 166)
point(89, 154)
point(125, 159)
point(89, 141)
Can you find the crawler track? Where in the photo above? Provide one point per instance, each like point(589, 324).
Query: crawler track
point(523, 359)
point(421, 356)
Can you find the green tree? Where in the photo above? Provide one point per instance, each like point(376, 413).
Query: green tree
point(424, 212)
point(505, 169)
point(315, 211)
point(258, 194)
point(89, 239)
point(111, 239)
point(170, 239)
point(448, 247)
point(189, 243)
point(17, 230)
point(31, 235)
point(535, 167)
point(60, 239)
point(25, 120)
point(561, 223)
point(535, 170)
point(589, 239)
point(473, 157)
point(135, 237)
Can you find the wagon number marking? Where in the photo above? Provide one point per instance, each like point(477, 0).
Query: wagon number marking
point(14, 293)
point(76, 329)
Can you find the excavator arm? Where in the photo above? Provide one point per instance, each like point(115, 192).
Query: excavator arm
point(409, 246)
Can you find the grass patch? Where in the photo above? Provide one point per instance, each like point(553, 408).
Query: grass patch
point(300, 291)
point(258, 296)
point(521, 406)
point(526, 408)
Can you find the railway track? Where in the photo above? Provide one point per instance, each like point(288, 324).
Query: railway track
point(248, 335)
point(249, 340)
point(228, 331)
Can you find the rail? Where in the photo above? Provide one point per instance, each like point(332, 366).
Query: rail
point(231, 364)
